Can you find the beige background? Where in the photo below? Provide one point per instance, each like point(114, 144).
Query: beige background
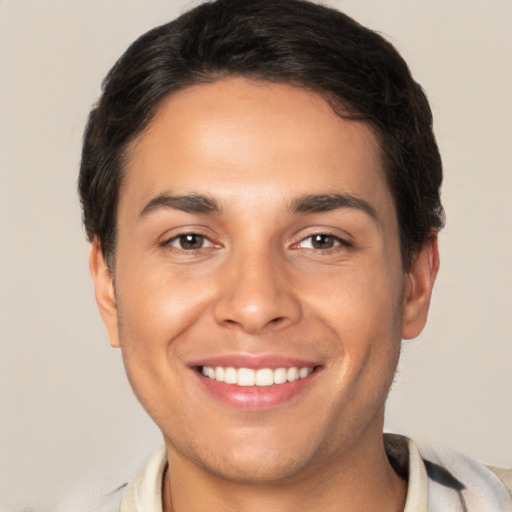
point(68, 417)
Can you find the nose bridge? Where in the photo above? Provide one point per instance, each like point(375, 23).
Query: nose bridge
point(256, 293)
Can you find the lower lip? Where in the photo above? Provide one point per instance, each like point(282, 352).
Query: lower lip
point(256, 397)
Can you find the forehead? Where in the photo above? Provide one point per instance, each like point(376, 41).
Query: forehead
point(239, 139)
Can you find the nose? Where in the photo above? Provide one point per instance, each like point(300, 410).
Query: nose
point(256, 295)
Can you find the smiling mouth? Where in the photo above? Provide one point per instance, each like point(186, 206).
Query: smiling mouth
point(262, 377)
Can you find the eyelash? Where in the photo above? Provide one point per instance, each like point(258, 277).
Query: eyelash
point(328, 239)
point(337, 242)
point(181, 238)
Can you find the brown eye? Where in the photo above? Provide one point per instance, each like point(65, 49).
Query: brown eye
point(322, 241)
point(191, 241)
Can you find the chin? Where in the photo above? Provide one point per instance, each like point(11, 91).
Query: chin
point(255, 469)
point(258, 458)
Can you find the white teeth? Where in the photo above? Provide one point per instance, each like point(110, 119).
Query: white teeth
point(230, 376)
point(303, 372)
point(219, 373)
point(262, 377)
point(279, 375)
point(292, 374)
point(246, 377)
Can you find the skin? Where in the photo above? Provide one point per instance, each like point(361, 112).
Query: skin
point(257, 285)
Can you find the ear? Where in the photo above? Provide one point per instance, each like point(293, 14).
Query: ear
point(104, 291)
point(418, 288)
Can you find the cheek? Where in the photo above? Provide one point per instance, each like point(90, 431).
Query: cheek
point(156, 302)
point(154, 311)
point(363, 309)
point(363, 297)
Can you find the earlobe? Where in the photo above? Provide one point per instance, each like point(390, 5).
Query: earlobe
point(418, 288)
point(104, 291)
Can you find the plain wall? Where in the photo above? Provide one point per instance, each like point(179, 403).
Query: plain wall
point(68, 416)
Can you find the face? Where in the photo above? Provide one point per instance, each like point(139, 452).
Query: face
point(259, 297)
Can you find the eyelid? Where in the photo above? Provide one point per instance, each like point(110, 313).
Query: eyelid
point(170, 241)
point(342, 238)
point(175, 234)
point(338, 242)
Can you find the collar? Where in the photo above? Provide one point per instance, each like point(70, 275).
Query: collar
point(144, 492)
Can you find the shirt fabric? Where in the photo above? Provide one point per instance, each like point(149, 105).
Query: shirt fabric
point(438, 481)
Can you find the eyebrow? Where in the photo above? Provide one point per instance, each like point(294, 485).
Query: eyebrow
point(318, 203)
point(313, 203)
point(193, 203)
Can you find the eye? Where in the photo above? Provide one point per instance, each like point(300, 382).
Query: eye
point(189, 242)
point(322, 241)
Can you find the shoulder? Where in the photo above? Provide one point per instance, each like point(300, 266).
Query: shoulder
point(453, 476)
point(90, 497)
point(141, 494)
point(505, 475)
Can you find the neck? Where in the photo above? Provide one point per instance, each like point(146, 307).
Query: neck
point(361, 479)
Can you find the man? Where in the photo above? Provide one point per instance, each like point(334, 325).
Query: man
point(260, 184)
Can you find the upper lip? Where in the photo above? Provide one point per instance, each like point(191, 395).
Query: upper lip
point(253, 361)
